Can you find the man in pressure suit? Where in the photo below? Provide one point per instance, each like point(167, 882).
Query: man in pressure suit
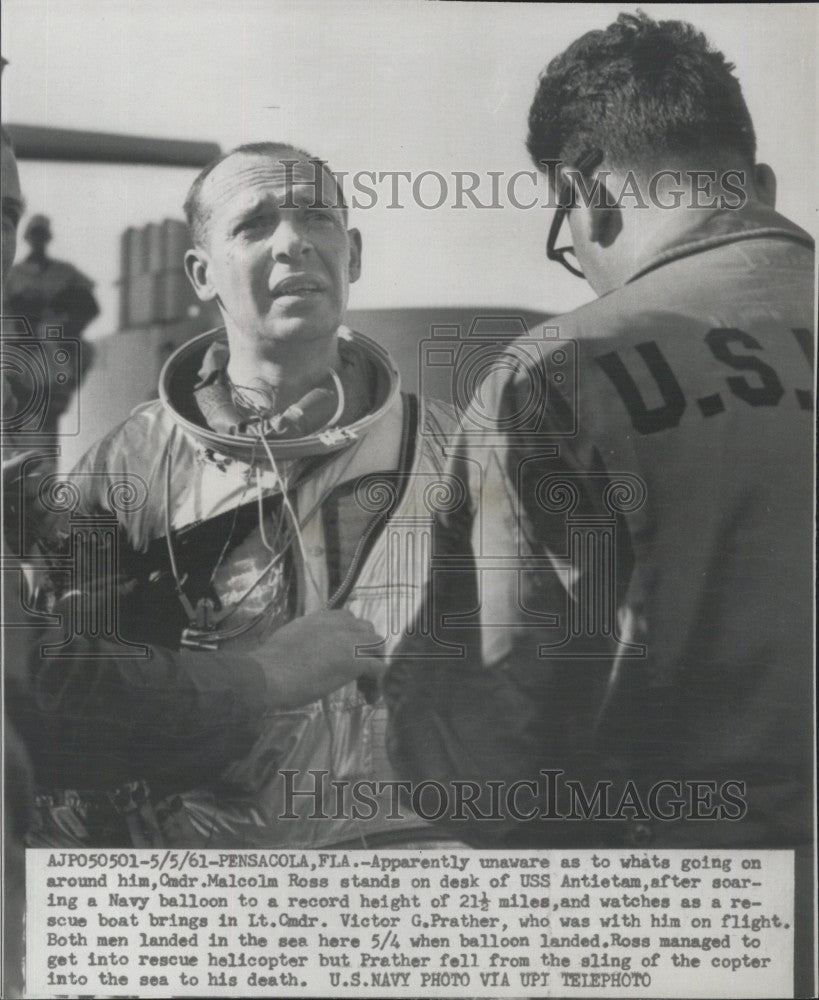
point(276, 472)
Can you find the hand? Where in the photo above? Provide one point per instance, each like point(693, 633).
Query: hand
point(315, 655)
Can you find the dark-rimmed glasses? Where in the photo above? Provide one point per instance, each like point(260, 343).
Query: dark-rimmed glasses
point(565, 203)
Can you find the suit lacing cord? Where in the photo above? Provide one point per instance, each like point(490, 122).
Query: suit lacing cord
point(325, 699)
point(204, 631)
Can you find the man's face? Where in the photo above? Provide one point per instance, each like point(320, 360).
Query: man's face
point(12, 207)
point(277, 255)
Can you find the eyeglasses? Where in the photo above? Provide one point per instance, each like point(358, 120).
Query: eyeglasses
point(566, 255)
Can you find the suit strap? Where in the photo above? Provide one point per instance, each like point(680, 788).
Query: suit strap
point(367, 535)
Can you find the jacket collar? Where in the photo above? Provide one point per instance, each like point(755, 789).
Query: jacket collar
point(696, 230)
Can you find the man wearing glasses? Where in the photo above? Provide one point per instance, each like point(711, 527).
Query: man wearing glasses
point(642, 559)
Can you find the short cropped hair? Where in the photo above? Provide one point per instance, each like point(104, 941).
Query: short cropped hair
point(198, 214)
point(640, 90)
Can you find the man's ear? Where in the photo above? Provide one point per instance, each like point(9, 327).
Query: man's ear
point(765, 183)
point(605, 217)
point(354, 270)
point(197, 268)
point(598, 221)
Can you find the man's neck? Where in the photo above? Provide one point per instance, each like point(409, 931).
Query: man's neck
point(279, 374)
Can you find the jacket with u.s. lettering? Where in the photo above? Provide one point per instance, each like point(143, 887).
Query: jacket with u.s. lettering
point(638, 512)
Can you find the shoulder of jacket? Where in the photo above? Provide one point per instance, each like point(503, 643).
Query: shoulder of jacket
point(134, 442)
point(145, 422)
point(593, 318)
